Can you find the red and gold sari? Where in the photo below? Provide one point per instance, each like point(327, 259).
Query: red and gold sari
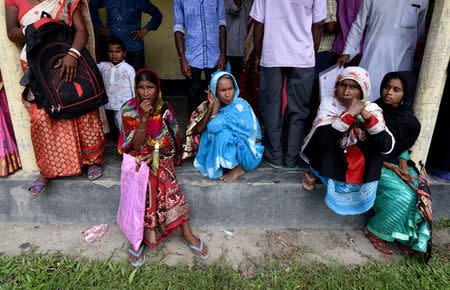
point(61, 147)
point(166, 207)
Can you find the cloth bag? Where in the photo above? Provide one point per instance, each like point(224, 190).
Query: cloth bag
point(133, 190)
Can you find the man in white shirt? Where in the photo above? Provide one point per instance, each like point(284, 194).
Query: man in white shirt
point(392, 30)
point(286, 37)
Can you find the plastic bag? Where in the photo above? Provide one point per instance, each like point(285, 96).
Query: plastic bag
point(133, 189)
point(95, 233)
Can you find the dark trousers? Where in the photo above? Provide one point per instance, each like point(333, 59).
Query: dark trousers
point(299, 82)
point(237, 64)
point(195, 87)
point(136, 59)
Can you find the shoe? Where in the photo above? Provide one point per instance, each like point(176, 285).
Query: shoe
point(294, 168)
point(273, 165)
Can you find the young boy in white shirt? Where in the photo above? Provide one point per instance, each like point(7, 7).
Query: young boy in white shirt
point(118, 78)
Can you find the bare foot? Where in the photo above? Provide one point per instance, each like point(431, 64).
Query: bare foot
point(309, 180)
point(233, 174)
point(37, 189)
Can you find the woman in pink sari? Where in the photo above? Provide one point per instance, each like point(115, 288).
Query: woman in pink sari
point(9, 155)
point(63, 146)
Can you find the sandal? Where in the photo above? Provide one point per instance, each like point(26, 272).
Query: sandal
point(92, 171)
point(406, 251)
point(379, 244)
point(308, 182)
point(200, 250)
point(137, 255)
point(38, 186)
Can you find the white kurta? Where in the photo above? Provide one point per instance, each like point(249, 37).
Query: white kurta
point(119, 83)
point(392, 31)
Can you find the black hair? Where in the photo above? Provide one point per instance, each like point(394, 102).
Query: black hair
point(147, 75)
point(117, 41)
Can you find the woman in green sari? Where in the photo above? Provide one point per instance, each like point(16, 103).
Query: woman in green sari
point(397, 218)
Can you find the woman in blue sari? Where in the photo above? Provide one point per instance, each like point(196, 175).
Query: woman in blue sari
point(231, 136)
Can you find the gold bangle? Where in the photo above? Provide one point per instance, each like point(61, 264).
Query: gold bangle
point(72, 55)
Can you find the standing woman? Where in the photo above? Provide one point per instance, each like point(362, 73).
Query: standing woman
point(397, 218)
point(61, 147)
point(146, 121)
point(346, 145)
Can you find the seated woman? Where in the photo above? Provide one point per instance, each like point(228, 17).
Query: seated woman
point(231, 136)
point(346, 145)
point(397, 218)
point(146, 121)
point(63, 146)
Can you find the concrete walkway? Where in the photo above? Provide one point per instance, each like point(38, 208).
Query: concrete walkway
point(246, 247)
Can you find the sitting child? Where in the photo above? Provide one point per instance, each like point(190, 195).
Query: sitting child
point(118, 78)
point(230, 132)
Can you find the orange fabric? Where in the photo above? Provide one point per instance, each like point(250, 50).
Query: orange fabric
point(62, 147)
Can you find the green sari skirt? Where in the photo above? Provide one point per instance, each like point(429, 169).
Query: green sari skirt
point(397, 217)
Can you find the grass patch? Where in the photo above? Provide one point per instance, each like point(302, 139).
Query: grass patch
point(55, 271)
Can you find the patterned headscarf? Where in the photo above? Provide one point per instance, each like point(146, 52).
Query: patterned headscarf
point(330, 108)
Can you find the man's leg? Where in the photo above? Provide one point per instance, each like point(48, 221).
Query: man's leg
point(136, 59)
point(298, 89)
point(208, 72)
point(270, 100)
point(237, 64)
point(194, 90)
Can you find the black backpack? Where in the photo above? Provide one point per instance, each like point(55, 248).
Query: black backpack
point(48, 41)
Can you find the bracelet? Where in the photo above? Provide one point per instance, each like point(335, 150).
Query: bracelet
point(141, 130)
point(76, 51)
point(72, 55)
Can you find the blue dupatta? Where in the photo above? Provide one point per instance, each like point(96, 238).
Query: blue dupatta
point(230, 138)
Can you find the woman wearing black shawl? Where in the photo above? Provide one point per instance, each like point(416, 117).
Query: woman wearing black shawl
point(397, 218)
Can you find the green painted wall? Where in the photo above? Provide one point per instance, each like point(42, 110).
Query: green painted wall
point(160, 52)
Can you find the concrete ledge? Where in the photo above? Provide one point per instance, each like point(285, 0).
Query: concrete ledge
point(264, 197)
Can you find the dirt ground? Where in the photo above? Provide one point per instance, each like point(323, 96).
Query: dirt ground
point(245, 247)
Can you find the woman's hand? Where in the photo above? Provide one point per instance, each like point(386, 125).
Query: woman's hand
point(68, 66)
point(144, 158)
point(354, 107)
point(146, 109)
point(400, 172)
point(403, 169)
point(213, 103)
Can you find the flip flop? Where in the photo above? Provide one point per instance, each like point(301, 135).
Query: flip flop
point(200, 249)
point(308, 182)
point(94, 170)
point(378, 243)
point(137, 255)
point(39, 186)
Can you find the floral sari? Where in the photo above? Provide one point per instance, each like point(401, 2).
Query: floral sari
point(61, 147)
point(166, 207)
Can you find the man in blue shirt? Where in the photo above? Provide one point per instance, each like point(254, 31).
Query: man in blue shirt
point(200, 37)
point(123, 21)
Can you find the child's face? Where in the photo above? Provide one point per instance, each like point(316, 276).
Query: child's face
point(116, 53)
